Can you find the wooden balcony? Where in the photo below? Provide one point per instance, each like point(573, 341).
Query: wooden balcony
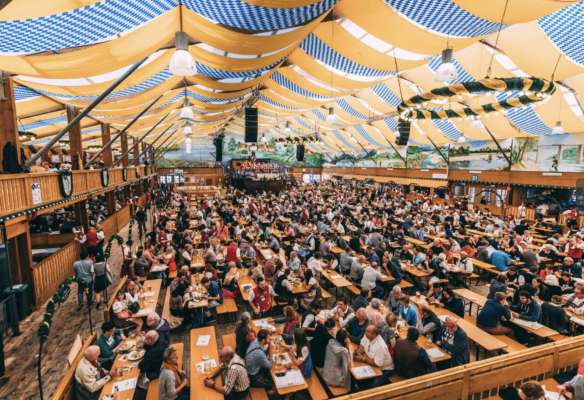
point(16, 192)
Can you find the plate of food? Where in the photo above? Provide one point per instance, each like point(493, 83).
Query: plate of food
point(136, 355)
point(126, 346)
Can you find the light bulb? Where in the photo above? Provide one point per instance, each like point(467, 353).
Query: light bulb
point(188, 145)
point(182, 62)
point(461, 139)
point(264, 139)
point(287, 127)
point(187, 130)
point(558, 129)
point(186, 112)
point(446, 72)
point(476, 122)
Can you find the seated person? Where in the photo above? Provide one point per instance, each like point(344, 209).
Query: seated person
point(122, 317)
point(150, 364)
point(408, 312)
point(160, 325)
point(357, 325)
point(373, 351)
point(431, 324)
point(554, 316)
point(173, 383)
point(411, 360)
point(236, 382)
point(493, 314)
point(526, 308)
point(108, 343)
point(257, 362)
point(90, 377)
point(454, 340)
point(337, 362)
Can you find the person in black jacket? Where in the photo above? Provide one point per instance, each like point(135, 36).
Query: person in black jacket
point(454, 340)
point(322, 335)
point(152, 361)
point(493, 314)
point(410, 359)
point(452, 303)
point(526, 308)
point(554, 316)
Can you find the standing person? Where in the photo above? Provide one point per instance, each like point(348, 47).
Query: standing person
point(173, 383)
point(141, 217)
point(84, 275)
point(92, 240)
point(261, 297)
point(128, 258)
point(102, 278)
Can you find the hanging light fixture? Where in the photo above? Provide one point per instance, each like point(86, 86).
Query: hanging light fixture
point(446, 72)
point(287, 127)
point(331, 117)
point(461, 139)
point(185, 111)
point(187, 130)
point(188, 145)
point(182, 62)
point(558, 129)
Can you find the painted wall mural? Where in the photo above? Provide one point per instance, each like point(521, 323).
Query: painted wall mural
point(563, 153)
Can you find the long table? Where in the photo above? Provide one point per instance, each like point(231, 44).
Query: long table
point(474, 333)
point(198, 354)
point(148, 303)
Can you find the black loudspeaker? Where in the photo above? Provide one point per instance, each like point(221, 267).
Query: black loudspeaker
point(403, 127)
point(4, 272)
point(218, 141)
point(251, 125)
point(300, 152)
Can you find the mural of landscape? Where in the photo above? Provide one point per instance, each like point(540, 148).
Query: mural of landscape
point(562, 153)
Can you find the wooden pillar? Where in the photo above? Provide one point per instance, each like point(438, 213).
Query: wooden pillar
point(124, 148)
point(517, 195)
point(76, 149)
point(75, 142)
point(108, 159)
point(8, 124)
point(136, 151)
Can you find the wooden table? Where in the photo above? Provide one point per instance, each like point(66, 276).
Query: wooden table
point(474, 333)
point(244, 280)
point(148, 304)
point(417, 242)
point(336, 250)
point(277, 368)
point(197, 379)
point(355, 364)
point(427, 345)
point(132, 373)
point(471, 297)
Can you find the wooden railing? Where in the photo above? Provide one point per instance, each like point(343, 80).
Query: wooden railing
point(44, 240)
point(16, 189)
point(482, 379)
point(64, 390)
point(53, 270)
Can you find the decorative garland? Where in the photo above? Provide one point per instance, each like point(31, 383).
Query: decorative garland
point(132, 219)
point(531, 90)
point(58, 298)
point(298, 139)
point(108, 248)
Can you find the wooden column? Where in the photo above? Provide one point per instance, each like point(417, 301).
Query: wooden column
point(76, 150)
point(108, 159)
point(136, 151)
point(124, 149)
point(8, 124)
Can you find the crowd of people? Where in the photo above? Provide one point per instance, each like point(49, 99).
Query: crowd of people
point(216, 249)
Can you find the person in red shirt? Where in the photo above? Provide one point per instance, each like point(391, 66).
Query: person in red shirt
point(261, 297)
point(232, 253)
point(91, 240)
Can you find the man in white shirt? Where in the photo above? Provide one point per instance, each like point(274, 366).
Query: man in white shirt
point(369, 280)
point(90, 377)
point(373, 351)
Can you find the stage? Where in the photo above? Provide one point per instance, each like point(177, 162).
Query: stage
point(255, 185)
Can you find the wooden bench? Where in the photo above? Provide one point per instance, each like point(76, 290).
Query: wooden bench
point(229, 340)
point(353, 290)
point(152, 393)
point(166, 306)
point(112, 299)
point(396, 378)
point(315, 388)
point(404, 285)
point(557, 337)
point(227, 307)
point(512, 345)
point(173, 274)
point(325, 294)
point(64, 390)
point(258, 394)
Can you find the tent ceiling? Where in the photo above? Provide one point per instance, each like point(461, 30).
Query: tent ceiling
point(293, 59)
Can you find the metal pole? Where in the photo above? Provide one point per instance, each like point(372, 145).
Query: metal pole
point(143, 137)
point(405, 161)
point(108, 144)
point(438, 150)
point(165, 150)
point(84, 113)
point(498, 145)
point(161, 144)
point(147, 149)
